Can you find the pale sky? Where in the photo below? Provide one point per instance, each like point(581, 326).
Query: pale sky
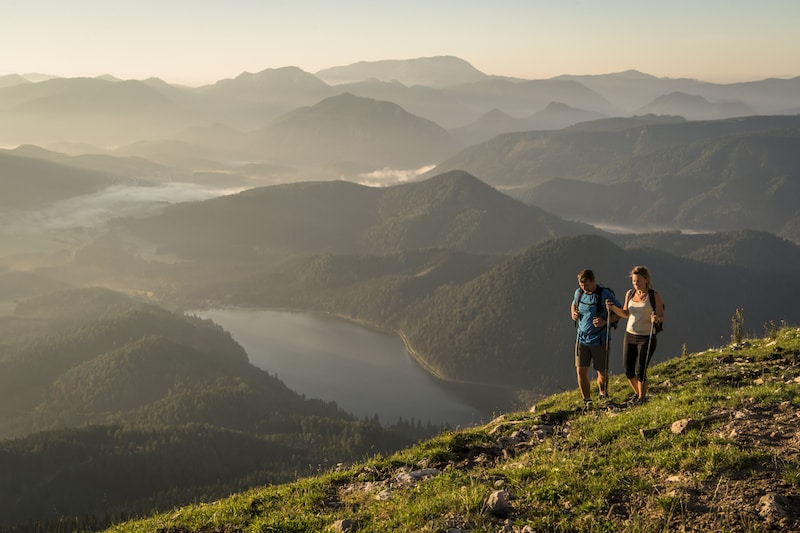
point(195, 42)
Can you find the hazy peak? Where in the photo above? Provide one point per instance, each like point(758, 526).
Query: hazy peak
point(276, 74)
point(10, 80)
point(348, 102)
point(681, 97)
point(437, 71)
point(558, 106)
point(633, 74)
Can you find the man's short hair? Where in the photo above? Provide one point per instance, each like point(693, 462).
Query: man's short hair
point(585, 275)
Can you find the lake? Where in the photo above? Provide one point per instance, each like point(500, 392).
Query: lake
point(366, 372)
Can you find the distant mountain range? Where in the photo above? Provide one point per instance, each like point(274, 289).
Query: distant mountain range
point(553, 117)
point(652, 172)
point(695, 106)
point(76, 114)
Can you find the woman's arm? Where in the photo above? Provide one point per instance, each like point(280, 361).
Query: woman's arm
point(621, 312)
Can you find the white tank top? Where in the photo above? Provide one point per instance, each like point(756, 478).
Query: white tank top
point(639, 319)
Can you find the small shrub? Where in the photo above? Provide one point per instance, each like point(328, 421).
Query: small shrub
point(791, 475)
point(737, 326)
point(669, 504)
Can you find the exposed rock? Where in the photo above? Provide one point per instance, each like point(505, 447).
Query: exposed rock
point(773, 506)
point(416, 475)
point(507, 442)
point(508, 527)
point(499, 502)
point(344, 525)
point(681, 426)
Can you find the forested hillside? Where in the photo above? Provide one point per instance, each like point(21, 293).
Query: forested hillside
point(504, 319)
point(454, 210)
point(31, 182)
point(146, 409)
point(584, 150)
point(652, 172)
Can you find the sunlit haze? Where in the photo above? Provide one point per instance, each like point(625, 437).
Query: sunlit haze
point(201, 41)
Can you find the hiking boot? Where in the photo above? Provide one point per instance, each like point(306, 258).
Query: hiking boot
point(603, 398)
point(587, 403)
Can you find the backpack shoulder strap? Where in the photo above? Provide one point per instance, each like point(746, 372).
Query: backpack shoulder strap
point(652, 295)
point(599, 300)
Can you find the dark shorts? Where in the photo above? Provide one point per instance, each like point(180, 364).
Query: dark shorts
point(591, 354)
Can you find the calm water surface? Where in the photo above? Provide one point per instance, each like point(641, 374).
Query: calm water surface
point(365, 372)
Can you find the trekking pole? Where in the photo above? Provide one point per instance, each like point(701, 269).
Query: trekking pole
point(608, 349)
point(577, 339)
point(647, 359)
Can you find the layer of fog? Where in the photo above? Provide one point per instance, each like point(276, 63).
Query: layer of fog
point(95, 209)
point(632, 230)
point(386, 177)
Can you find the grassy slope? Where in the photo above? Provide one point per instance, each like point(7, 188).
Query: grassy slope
point(569, 470)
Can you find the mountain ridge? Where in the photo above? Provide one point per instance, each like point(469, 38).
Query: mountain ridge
point(341, 216)
point(652, 172)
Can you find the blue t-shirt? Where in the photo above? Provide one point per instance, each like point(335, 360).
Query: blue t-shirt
point(587, 311)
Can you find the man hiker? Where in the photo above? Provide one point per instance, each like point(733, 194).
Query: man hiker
point(593, 338)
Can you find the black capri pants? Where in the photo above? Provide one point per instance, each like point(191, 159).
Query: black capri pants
point(636, 356)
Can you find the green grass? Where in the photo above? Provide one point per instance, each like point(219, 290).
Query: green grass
point(596, 472)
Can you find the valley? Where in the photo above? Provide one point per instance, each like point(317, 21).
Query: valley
point(367, 373)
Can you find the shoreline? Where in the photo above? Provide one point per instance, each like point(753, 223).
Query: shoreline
point(414, 354)
point(485, 398)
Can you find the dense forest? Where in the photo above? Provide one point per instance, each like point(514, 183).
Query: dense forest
point(115, 408)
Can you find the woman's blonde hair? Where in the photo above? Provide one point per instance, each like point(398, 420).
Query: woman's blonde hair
point(641, 270)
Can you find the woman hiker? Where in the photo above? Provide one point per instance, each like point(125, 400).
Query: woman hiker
point(644, 310)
